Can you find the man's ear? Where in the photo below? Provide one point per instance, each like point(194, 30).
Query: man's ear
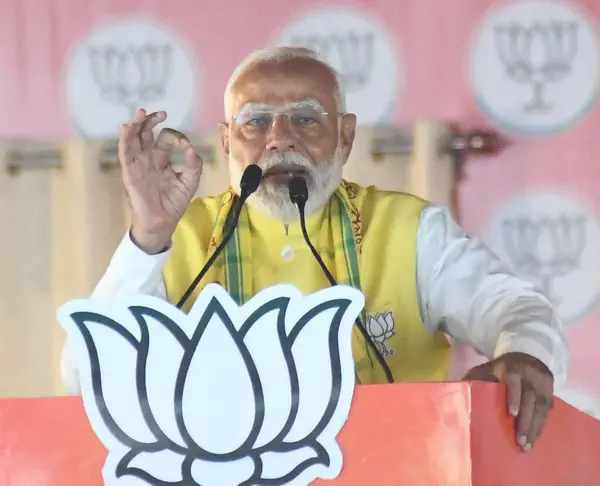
point(224, 134)
point(347, 134)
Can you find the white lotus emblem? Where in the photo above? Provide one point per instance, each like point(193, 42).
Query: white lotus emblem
point(224, 396)
point(381, 328)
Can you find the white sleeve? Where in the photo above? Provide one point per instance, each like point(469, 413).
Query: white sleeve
point(469, 293)
point(131, 271)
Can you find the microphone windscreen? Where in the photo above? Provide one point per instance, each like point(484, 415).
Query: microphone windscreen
point(298, 190)
point(250, 179)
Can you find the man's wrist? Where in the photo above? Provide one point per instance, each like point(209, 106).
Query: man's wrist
point(151, 244)
point(533, 348)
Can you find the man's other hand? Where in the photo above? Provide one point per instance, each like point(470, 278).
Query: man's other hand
point(530, 390)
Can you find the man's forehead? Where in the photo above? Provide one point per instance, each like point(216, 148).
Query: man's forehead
point(284, 83)
point(294, 70)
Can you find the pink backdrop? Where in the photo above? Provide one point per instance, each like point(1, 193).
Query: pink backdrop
point(46, 91)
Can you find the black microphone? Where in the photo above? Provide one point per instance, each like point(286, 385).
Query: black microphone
point(299, 195)
point(249, 183)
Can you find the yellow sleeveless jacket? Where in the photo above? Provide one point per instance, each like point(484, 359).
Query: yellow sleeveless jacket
point(387, 275)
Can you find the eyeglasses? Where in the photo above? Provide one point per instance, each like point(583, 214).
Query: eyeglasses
point(264, 117)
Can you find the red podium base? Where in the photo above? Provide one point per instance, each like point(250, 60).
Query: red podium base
point(446, 434)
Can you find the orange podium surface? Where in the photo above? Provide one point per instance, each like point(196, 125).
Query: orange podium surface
point(445, 434)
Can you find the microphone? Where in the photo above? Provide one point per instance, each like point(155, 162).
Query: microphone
point(249, 183)
point(299, 195)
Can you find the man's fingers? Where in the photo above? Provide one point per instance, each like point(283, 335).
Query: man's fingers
point(126, 149)
point(167, 140)
point(513, 393)
point(525, 417)
point(149, 123)
point(192, 160)
point(192, 169)
point(129, 142)
point(138, 117)
point(135, 124)
point(540, 416)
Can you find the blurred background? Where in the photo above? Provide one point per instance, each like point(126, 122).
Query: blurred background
point(487, 106)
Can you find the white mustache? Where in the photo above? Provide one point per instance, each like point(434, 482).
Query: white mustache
point(286, 158)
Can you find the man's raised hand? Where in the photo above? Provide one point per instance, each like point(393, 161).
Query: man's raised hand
point(158, 196)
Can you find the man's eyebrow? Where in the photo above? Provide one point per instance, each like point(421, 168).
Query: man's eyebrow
point(307, 103)
point(255, 106)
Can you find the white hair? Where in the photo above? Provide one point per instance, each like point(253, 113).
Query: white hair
point(281, 54)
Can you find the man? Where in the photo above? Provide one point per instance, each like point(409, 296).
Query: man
point(423, 278)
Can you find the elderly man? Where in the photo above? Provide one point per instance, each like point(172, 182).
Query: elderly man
point(285, 111)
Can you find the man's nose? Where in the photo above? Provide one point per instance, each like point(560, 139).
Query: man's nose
point(281, 135)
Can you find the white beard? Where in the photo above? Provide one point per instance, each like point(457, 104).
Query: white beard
point(274, 200)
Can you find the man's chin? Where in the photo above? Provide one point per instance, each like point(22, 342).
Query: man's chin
point(275, 206)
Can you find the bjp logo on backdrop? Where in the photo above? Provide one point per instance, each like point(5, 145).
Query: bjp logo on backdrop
point(551, 238)
point(365, 56)
point(122, 66)
point(534, 65)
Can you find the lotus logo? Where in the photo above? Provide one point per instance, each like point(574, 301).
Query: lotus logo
point(366, 56)
point(381, 328)
point(351, 53)
point(546, 248)
point(126, 63)
point(534, 65)
point(225, 395)
point(518, 46)
point(131, 76)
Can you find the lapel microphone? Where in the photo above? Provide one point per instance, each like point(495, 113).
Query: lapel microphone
point(299, 195)
point(249, 183)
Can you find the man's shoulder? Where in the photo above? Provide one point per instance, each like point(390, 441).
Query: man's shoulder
point(375, 198)
point(388, 212)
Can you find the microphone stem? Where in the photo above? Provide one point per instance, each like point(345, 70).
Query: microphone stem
point(215, 254)
point(361, 326)
point(314, 251)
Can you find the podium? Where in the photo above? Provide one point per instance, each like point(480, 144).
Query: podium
point(439, 434)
